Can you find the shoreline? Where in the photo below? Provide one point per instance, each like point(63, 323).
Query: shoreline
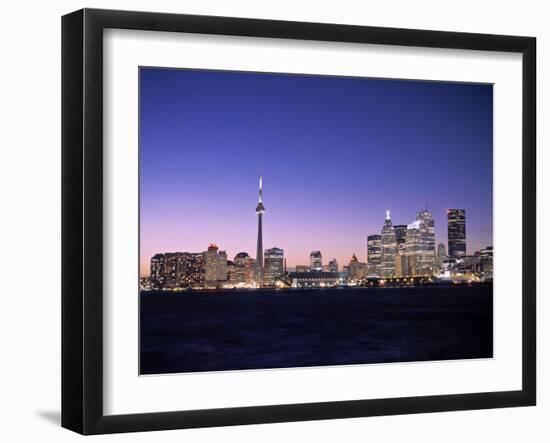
point(313, 289)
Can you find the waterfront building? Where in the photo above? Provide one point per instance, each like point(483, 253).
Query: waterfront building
point(314, 279)
point(260, 210)
point(191, 269)
point(387, 267)
point(157, 270)
point(302, 268)
point(171, 269)
point(374, 254)
point(273, 265)
point(316, 261)
point(456, 232)
point(333, 265)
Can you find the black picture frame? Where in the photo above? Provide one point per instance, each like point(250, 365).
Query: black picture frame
point(82, 215)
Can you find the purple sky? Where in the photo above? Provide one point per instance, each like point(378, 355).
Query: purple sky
point(336, 153)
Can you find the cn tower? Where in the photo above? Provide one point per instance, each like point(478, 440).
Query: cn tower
point(259, 247)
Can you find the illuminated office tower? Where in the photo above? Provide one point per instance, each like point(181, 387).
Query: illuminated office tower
point(387, 267)
point(215, 266)
point(273, 265)
point(374, 253)
point(420, 245)
point(333, 265)
point(412, 246)
point(456, 232)
point(427, 241)
point(316, 261)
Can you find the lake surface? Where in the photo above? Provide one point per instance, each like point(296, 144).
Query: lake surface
point(235, 330)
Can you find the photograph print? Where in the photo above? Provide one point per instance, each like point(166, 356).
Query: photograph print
point(291, 220)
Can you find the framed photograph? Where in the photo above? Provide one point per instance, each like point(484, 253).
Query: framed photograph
point(268, 221)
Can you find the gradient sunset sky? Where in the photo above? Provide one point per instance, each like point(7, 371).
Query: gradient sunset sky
point(336, 152)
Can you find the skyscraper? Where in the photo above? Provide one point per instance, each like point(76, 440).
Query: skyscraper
point(333, 265)
point(427, 241)
point(316, 261)
point(420, 245)
point(216, 266)
point(273, 265)
point(374, 253)
point(260, 210)
point(387, 268)
point(456, 232)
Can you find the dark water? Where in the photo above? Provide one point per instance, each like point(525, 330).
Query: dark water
point(227, 330)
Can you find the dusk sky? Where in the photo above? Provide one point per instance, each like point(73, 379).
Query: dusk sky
point(336, 152)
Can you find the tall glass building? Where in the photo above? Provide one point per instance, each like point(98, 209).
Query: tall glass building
point(420, 245)
point(215, 266)
point(427, 241)
point(456, 232)
point(273, 265)
point(387, 267)
point(374, 253)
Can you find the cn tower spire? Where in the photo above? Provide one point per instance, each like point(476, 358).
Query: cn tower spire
point(260, 210)
point(260, 193)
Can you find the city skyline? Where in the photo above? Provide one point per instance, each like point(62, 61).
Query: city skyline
point(199, 161)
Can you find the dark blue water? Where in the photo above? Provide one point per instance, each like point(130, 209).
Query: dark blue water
point(228, 330)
